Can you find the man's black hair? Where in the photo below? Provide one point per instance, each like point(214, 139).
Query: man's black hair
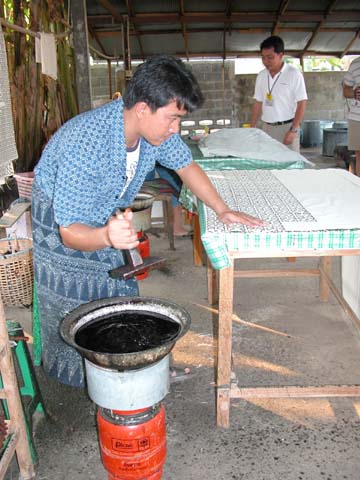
point(160, 80)
point(276, 42)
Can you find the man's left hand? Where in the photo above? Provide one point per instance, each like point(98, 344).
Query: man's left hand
point(289, 138)
point(230, 216)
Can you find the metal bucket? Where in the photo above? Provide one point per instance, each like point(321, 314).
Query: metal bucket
point(112, 307)
point(312, 132)
point(130, 389)
point(141, 208)
point(332, 138)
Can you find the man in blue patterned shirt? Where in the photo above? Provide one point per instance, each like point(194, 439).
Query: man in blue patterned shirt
point(95, 164)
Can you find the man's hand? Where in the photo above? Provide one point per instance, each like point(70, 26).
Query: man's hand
point(230, 216)
point(117, 233)
point(120, 231)
point(289, 138)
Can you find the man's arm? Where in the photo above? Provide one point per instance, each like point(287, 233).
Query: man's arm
point(299, 115)
point(351, 92)
point(256, 112)
point(117, 233)
point(198, 182)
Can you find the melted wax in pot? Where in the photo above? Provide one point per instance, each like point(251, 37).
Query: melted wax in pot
point(127, 333)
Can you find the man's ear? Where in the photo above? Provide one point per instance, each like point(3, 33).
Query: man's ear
point(141, 109)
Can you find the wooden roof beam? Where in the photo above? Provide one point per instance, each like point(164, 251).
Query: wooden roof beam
point(114, 13)
point(351, 43)
point(131, 15)
point(183, 28)
point(261, 17)
point(95, 36)
point(112, 33)
point(281, 11)
point(330, 7)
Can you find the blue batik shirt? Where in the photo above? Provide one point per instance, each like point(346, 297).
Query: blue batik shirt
point(83, 167)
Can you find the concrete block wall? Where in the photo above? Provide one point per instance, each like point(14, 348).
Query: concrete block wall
point(234, 102)
point(324, 92)
point(216, 81)
point(100, 81)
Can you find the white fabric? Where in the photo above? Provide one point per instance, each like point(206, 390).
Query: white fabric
point(37, 50)
point(132, 159)
point(7, 136)
point(45, 51)
point(324, 193)
point(247, 143)
point(288, 90)
point(352, 79)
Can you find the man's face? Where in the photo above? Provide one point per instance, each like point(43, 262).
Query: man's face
point(272, 60)
point(160, 125)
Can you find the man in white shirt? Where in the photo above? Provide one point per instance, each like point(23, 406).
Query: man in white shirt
point(351, 89)
point(280, 95)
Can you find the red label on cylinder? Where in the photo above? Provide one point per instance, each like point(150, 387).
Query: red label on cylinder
point(135, 445)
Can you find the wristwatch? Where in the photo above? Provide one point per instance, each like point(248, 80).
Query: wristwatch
point(293, 130)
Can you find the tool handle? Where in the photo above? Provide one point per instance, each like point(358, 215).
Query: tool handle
point(133, 256)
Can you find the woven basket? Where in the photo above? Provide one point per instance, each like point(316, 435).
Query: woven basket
point(16, 271)
point(24, 183)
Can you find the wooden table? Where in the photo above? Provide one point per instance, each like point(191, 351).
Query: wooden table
point(305, 211)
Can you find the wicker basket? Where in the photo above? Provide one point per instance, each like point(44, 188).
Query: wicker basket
point(16, 271)
point(24, 183)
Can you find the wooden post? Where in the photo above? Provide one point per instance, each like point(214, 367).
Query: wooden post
point(325, 267)
point(197, 245)
point(81, 50)
point(212, 278)
point(226, 287)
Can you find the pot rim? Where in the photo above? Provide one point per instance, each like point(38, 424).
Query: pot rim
point(79, 317)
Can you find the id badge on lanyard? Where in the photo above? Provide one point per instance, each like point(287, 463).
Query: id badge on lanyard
point(269, 100)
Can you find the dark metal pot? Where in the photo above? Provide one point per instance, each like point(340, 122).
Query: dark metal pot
point(141, 208)
point(105, 308)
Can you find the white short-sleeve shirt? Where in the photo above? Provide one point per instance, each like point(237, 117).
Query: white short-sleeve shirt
point(287, 88)
point(352, 79)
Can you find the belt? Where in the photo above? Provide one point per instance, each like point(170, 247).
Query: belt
point(280, 123)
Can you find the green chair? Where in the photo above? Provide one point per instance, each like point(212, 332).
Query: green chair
point(28, 384)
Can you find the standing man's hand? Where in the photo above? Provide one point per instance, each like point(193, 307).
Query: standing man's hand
point(357, 93)
point(289, 137)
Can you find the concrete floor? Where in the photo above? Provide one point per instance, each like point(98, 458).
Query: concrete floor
point(283, 335)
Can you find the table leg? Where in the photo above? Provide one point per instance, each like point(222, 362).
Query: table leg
point(325, 267)
point(212, 277)
point(197, 245)
point(226, 287)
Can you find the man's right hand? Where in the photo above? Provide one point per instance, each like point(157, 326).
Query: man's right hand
point(121, 232)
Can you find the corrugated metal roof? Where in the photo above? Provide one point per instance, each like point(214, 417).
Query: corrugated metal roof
point(192, 28)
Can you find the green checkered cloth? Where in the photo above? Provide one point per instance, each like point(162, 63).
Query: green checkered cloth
point(217, 245)
point(218, 239)
point(233, 163)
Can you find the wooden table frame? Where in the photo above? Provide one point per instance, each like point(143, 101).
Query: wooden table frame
point(221, 287)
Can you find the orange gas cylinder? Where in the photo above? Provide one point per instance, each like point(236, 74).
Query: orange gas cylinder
point(144, 250)
point(133, 443)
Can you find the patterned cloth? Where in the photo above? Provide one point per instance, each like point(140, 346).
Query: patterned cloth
point(231, 163)
point(78, 180)
point(261, 194)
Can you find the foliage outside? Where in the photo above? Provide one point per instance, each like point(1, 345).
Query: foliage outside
point(40, 104)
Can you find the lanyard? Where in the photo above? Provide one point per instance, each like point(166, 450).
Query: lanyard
point(273, 85)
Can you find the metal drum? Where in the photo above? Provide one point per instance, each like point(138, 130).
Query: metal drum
point(332, 138)
point(128, 390)
point(312, 132)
